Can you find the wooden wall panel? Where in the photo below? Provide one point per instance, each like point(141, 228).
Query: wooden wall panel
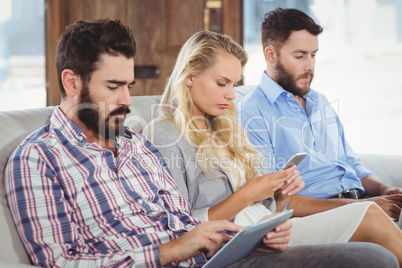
point(54, 23)
point(98, 9)
point(191, 16)
point(73, 11)
point(233, 19)
point(160, 28)
point(144, 19)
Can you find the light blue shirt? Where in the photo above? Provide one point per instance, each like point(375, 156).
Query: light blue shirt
point(279, 127)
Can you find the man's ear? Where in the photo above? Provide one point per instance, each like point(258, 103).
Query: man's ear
point(71, 82)
point(270, 54)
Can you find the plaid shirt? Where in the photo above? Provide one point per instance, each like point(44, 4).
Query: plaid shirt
point(74, 204)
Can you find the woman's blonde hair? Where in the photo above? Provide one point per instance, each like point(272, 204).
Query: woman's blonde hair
point(226, 147)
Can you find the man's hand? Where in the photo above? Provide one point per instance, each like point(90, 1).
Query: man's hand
point(277, 240)
point(388, 197)
point(391, 204)
point(294, 183)
point(205, 238)
point(393, 190)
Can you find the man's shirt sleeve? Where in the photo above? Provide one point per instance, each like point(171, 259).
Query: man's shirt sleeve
point(43, 219)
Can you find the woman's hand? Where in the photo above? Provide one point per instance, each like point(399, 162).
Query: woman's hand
point(277, 240)
point(261, 187)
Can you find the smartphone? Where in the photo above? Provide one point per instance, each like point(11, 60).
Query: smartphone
point(294, 160)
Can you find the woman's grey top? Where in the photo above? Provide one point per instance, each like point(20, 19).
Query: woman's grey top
point(202, 192)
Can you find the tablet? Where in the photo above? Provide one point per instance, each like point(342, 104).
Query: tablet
point(246, 241)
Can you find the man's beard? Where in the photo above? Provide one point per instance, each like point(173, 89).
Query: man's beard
point(288, 83)
point(89, 115)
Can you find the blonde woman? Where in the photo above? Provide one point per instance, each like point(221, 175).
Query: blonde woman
point(216, 168)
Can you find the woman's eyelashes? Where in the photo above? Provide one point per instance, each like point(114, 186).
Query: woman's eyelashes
point(224, 85)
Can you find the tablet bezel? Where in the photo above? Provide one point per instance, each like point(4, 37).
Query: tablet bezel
point(246, 241)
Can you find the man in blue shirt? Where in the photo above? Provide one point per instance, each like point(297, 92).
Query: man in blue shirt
point(284, 116)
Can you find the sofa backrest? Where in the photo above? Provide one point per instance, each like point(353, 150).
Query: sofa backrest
point(16, 125)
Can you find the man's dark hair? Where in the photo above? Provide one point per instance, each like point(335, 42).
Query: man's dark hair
point(79, 48)
point(280, 23)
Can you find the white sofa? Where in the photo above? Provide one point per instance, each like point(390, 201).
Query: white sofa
point(16, 125)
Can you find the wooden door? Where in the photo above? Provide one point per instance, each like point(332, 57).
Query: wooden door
point(160, 28)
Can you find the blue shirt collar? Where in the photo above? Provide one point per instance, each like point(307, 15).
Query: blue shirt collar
point(270, 88)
